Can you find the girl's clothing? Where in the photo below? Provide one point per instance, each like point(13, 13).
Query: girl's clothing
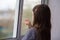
point(30, 35)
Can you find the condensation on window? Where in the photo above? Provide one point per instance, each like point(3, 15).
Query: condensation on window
point(7, 17)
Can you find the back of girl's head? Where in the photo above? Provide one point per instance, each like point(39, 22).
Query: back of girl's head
point(42, 18)
point(42, 15)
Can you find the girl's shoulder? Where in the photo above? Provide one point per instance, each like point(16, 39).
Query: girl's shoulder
point(30, 35)
point(32, 29)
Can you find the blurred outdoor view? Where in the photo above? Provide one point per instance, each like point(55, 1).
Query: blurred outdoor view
point(7, 14)
point(27, 13)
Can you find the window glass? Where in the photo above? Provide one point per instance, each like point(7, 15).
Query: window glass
point(27, 13)
point(8, 18)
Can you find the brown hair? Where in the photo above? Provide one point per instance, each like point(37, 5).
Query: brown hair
point(42, 16)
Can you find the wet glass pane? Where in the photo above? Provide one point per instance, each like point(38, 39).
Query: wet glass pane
point(27, 13)
point(8, 18)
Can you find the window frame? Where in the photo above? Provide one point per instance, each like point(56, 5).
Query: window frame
point(45, 2)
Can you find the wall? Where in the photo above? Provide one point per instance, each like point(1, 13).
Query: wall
point(55, 19)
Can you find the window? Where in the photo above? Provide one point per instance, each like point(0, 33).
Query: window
point(9, 10)
point(8, 18)
point(27, 13)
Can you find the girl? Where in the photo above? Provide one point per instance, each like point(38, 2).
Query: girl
point(41, 28)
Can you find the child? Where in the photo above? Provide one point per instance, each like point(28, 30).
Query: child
point(41, 28)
